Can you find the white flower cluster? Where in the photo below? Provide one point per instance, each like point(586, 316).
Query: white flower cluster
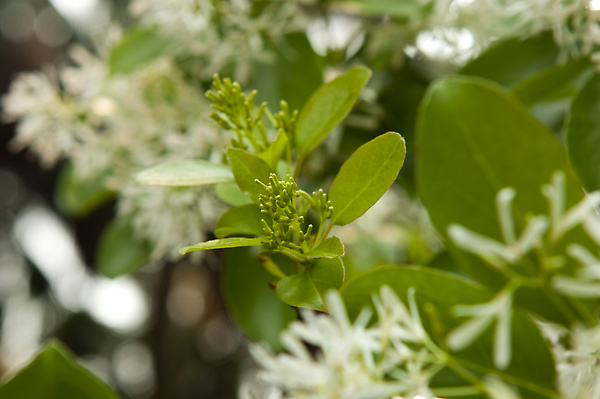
point(352, 360)
point(237, 39)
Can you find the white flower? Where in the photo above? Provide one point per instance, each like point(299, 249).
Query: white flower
point(352, 360)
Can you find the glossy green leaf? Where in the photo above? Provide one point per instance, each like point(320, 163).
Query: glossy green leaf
point(278, 79)
point(474, 139)
point(119, 251)
point(308, 289)
point(252, 303)
point(78, 197)
point(583, 134)
point(241, 220)
point(366, 176)
point(436, 293)
point(246, 169)
point(231, 194)
point(331, 247)
point(138, 48)
point(511, 61)
point(231, 242)
point(55, 374)
point(185, 173)
point(327, 107)
point(558, 81)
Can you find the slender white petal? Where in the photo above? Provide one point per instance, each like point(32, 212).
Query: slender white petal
point(465, 334)
point(503, 205)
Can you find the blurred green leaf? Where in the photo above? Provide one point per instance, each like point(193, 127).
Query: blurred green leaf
point(54, 374)
point(78, 197)
point(366, 176)
point(394, 8)
point(331, 247)
point(119, 252)
point(231, 194)
point(246, 169)
point(307, 289)
point(583, 134)
point(252, 303)
point(436, 293)
point(231, 242)
point(185, 173)
point(139, 47)
point(241, 220)
point(511, 61)
point(327, 107)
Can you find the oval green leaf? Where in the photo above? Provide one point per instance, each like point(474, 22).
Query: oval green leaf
point(185, 173)
point(327, 107)
point(55, 374)
point(78, 197)
point(331, 247)
point(308, 289)
point(138, 48)
point(231, 242)
point(245, 219)
point(366, 176)
point(119, 252)
point(246, 169)
point(532, 366)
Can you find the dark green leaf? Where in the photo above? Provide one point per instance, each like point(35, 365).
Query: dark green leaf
point(246, 169)
point(78, 197)
point(232, 242)
point(119, 251)
point(331, 247)
point(583, 134)
point(308, 289)
point(241, 220)
point(252, 303)
point(327, 107)
point(54, 374)
point(532, 365)
point(185, 173)
point(511, 61)
point(366, 176)
point(138, 48)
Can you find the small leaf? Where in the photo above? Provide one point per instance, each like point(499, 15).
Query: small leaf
point(327, 107)
point(245, 219)
point(231, 194)
point(583, 134)
point(138, 48)
point(246, 169)
point(273, 154)
point(54, 374)
point(232, 242)
point(366, 176)
point(119, 252)
point(252, 303)
point(78, 197)
point(331, 247)
point(185, 173)
point(308, 289)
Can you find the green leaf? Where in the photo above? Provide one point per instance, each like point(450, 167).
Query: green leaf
point(246, 169)
point(250, 300)
point(436, 293)
point(366, 176)
point(583, 134)
point(331, 247)
point(78, 197)
point(54, 374)
point(232, 242)
point(556, 82)
point(513, 60)
point(185, 173)
point(394, 8)
point(273, 154)
point(138, 48)
point(231, 194)
point(327, 107)
point(307, 289)
point(245, 219)
point(474, 139)
point(119, 252)
point(278, 79)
